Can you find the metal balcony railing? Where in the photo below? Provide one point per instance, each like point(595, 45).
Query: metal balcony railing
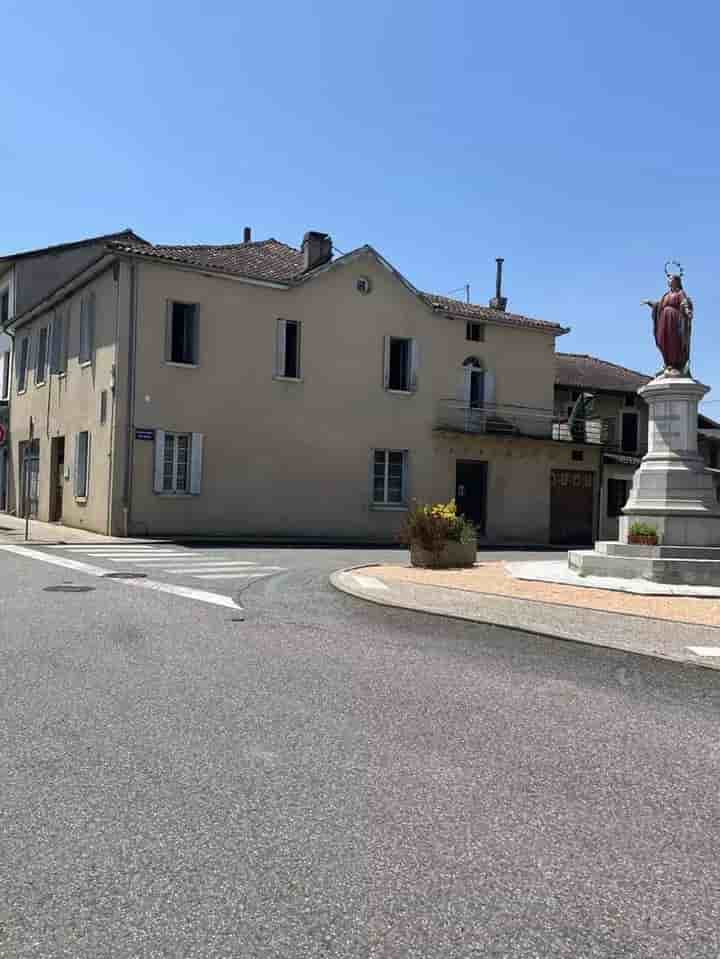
point(514, 420)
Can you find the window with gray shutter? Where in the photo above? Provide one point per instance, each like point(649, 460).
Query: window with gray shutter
point(22, 363)
point(41, 361)
point(82, 464)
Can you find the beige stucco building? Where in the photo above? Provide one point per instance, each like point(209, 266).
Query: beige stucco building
point(259, 390)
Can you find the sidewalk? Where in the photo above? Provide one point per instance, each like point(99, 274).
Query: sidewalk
point(12, 530)
point(680, 629)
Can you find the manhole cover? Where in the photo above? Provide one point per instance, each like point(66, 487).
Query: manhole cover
point(122, 575)
point(68, 589)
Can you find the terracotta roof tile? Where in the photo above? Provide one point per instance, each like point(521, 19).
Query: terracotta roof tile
point(261, 260)
point(589, 372)
point(475, 311)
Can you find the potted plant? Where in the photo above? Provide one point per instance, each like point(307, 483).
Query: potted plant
point(438, 537)
point(643, 534)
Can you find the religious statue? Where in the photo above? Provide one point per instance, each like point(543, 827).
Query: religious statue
point(672, 321)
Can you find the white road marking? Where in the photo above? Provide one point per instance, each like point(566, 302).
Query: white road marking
point(369, 582)
point(229, 575)
point(704, 650)
point(209, 567)
point(172, 558)
point(94, 546)
point(188, 592)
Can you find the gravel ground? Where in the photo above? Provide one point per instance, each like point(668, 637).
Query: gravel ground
point(492, 577)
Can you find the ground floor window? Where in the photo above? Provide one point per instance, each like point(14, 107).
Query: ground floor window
point(389, 477)
point(82, 464)
point(618, 491)
point(178, 462)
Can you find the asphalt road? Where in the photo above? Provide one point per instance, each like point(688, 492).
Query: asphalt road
point(318, 777)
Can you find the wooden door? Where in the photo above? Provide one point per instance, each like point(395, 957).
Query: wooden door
point(571, 507)
point(471, 491)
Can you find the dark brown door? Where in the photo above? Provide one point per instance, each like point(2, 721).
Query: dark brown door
point(471, 491)
point(57, 470)
point(571, 507)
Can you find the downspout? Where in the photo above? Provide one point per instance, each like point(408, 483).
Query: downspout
point(113, 398)
point(127, 482)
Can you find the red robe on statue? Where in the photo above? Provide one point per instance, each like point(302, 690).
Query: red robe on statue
point(672, 316)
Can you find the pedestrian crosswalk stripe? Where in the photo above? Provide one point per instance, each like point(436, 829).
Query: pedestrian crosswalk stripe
point(229, 575)
point(704, 650)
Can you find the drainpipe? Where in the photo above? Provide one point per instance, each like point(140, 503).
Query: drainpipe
point(130, 410)
point(113, 379)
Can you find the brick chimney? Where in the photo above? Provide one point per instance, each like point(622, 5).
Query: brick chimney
point(317, 250)
point(498, 302)
point(247, 234)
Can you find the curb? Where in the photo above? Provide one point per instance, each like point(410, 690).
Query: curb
point(378, 601)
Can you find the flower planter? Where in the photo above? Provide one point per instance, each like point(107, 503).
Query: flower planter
point(642, 539)
point(452, 555)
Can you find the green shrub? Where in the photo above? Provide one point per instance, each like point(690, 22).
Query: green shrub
point(643, 529)
point(432, 525)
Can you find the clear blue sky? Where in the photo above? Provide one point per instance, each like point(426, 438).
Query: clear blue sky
point(579, 141)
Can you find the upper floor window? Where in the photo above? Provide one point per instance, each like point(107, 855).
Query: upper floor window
point(389, 477)
point(87, 328)
point(4, 306)
point(401, 361)
point(41, 360)
point(629, 440)
point(181, 342)
point(288, 349)
point(59, 341)
point(475, 331)
point(474, 382)
point(5, 375)
point(22, 363)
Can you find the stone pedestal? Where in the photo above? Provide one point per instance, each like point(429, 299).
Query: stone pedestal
point(672, 490)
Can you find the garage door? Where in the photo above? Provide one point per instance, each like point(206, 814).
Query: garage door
point(571, 507)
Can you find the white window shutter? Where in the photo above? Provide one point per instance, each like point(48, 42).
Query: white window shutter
point(464, 396)
point(196, 455)
point(489, 387)
point(82, 355)
point(280, 348)
point(414, 363)
point(159, 460)
point(386, 362)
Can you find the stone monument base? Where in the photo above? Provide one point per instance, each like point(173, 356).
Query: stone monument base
point(672, 493)
point(678, 565)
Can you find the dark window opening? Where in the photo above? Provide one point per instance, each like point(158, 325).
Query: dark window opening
point(618, 491)
point(292, 353)
point(578, 455)
point(629, 399)
point(41, 356)
point(629, 432)
point(477, 388)
point(399, 373)
point(4, 307)
point(183, 333)
point(474, 331)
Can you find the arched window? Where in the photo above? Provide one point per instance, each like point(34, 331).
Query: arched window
point(474, 382)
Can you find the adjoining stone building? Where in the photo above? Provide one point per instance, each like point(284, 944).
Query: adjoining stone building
point(261, 390)
point(618, 418)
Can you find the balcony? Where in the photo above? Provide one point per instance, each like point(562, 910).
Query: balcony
point(514, 420)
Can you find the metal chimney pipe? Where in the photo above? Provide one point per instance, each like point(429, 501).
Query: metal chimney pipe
point(498, 302)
